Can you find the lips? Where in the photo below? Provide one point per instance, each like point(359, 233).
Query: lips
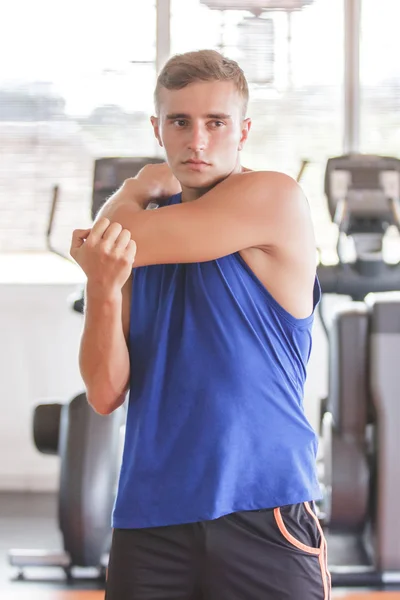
point(196, 162)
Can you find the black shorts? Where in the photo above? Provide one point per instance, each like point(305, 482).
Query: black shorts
point(271, 554)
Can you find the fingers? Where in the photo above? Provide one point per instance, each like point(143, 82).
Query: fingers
point(105, 234)
point(111, 234)
point(78, 237)
point(132, 250)
point(98, 230)
point(123, 239)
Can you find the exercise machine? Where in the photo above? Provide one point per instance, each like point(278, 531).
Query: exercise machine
point(360, 418)
point(89, 445)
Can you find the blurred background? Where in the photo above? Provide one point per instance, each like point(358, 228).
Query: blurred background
point(76, 84)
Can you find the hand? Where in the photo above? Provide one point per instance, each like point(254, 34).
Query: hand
point(106, 254)
point(158, 181)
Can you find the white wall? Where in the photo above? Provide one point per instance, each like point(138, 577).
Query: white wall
point(39, 360)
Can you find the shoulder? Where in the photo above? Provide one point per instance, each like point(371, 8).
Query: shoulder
point(260, 197)
point(276, 182)
point(273, 185)
point(276, 194)
point(279, 200)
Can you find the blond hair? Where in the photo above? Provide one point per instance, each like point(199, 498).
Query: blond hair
point(201, 65)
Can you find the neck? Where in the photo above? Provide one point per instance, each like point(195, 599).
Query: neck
point(189, 194)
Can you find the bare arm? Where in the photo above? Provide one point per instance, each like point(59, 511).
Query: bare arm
point(104, 356)
point(256, 209)
point(106, 255)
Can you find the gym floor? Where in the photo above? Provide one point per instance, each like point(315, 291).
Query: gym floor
point(28, 521)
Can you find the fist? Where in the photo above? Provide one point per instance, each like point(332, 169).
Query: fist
point(158, 181)
point(106, 253)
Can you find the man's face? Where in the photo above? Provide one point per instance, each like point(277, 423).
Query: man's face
point(202, 130)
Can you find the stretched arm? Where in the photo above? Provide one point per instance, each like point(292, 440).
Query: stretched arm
point(253, 209)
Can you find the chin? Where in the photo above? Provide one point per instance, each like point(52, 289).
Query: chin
point(202, 180)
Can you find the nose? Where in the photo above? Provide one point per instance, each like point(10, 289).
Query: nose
point(198, 138)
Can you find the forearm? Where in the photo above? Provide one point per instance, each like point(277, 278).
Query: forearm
point(104, 357)
point(132, 193)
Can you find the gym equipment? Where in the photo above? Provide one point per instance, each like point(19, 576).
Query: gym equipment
point(89, 448)
point(360, 419)
point(88, 444)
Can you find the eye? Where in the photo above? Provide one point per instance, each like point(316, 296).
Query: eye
point(180, 123)
point(217, 124)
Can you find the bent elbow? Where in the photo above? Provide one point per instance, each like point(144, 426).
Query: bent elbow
point(102, 410)
point(104, 406)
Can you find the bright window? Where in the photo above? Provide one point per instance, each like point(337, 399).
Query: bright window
point(295, 66)
point(380, 77)
point(75, 84)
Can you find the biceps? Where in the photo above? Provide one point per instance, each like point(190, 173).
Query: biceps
point(185, 234)
point(227, 219)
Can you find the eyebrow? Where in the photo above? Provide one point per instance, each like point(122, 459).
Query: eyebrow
point(174, 116)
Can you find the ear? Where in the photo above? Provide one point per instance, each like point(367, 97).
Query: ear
point(246, 126)
point(156, 127)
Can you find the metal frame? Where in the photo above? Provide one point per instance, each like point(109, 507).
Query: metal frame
point(352, 30)
point(163, 33)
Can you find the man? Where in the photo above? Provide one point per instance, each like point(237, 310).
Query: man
point(212, 337)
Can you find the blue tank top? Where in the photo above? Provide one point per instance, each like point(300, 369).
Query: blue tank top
point(215, 420)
